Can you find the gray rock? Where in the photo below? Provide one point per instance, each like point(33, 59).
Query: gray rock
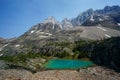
point(3, 64)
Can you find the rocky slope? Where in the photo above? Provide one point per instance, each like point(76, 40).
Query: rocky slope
point(92, 73)
point(66, 23)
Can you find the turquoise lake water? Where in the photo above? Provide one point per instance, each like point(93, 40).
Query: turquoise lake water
point(67, 64)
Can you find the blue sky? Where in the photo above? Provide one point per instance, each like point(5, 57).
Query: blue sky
point(17, 16)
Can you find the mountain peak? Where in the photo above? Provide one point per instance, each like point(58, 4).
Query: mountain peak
point(90, 10)
point(82, 17)
point(107, 7)
point(111, 7)
point(50, 19)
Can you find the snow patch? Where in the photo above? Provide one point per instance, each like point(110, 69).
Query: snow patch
point(43, 36)
point(1, 54)
point(3, 47)
point(118, 24)
point(106, 17)
point(32, 32)
point(17, 45)
point(100, 19)
point(92, 18)
point(0, 49)
point(107, 35)
point(53, 27)
point(49, 34)
point(38, 31)
point(102, 28)
point(42, 32)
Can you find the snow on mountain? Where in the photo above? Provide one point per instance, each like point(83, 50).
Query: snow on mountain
point(92, 18)
point(118, 24)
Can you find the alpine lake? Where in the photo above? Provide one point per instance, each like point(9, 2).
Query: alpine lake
point(67, 64)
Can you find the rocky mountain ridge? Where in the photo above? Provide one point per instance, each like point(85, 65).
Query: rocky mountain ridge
point(107, 17)
point(51, 30)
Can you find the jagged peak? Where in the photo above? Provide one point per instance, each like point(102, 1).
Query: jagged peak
point(50, 19)
point(88, 10)
point(115, 7)
point(91, 11)
point(107, 7)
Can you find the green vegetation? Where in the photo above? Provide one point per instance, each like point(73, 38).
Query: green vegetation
point(82, 48)
point(20, 57)
point(103, 52)
point(29, 61)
